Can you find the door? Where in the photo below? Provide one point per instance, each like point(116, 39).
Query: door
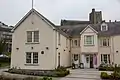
point(58, 59)
point(91, 61)
point(87, 61)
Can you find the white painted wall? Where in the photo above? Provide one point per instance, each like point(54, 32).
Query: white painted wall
point(116, 41)
point(47, 39)
point(89, 49)
point(64, 55)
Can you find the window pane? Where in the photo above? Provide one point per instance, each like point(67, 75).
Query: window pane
point(28, 57)
point(29, 36)
point(35, 57)
point(109, 58)
point(89, 40)
point(101, 58)
point(108, 42)
point(104, 28)
point(75, 42)
point(58, 38)
point(104, 42)
point(36, 36)
point(105, 58)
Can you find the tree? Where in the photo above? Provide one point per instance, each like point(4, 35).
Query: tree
point(3, 46)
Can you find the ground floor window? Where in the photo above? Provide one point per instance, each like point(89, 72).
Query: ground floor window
point(105, 58)
point(32, 57)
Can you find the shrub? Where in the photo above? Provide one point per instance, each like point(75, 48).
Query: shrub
point(61, 68)
point(104, 75)
point(59, 72)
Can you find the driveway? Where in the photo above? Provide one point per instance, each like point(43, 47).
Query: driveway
point(83, 74)
point(1, 70)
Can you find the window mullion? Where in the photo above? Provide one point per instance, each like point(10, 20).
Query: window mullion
point(33, 36)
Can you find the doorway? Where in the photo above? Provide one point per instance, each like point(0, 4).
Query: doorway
point(91, 61)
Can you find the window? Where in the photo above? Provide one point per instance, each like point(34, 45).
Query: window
point(105, 58)
point(28, 57)
point(72, 43)
point(75, 42)
point(89, 40)
point(32, 36)
point(29, 36)
point(36, 36)
point(66, 42)
point(105, 42)
point(58, 38)
point(31, 57)
point(104, 27)
point(35, 57)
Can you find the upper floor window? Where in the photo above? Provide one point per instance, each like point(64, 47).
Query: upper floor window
point(59, 38)
point(105, 42)
point(75, 42)
point(89, 40)
point(32, 36)
point(104, 27)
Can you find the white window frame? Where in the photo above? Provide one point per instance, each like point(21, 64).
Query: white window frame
point(59, 39)
point(33, 37)
point(108, 58)
point(32, 59)
point(107, 41)
point(104, 25)
point(85, 40)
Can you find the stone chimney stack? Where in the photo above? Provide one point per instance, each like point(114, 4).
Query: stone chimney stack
point(95, 17)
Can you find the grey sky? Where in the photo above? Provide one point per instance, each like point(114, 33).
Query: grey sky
point(11, 11)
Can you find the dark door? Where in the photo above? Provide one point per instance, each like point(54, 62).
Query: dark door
point(91, 61)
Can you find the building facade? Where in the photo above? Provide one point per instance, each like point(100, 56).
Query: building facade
point(39, 44)
point(6, 34)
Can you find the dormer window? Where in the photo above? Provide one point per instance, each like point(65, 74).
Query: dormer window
point(104, 27)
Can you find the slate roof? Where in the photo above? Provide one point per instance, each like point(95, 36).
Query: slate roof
point(73, 22)
point(74, 30)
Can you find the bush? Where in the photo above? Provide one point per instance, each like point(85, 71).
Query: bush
point(105, 67)
point(59, 72)
point(104, 75)
point(61, 68)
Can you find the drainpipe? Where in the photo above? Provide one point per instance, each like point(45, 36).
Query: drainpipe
point(113, 50)
point(70, 53)
point(55, 46)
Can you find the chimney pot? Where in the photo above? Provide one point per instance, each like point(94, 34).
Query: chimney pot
point(93, 10)
point(115, 20)
point(110, 21)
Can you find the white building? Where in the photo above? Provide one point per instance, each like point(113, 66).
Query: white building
point(39, 44)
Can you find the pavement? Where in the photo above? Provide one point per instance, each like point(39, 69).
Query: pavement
point(75, 74)
point(83, 74)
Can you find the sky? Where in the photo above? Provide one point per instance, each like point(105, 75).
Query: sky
point(11, 11)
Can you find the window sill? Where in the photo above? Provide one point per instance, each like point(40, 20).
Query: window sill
point(31, 64)
point(32, 43)
point(105, 46)
point(89, 45)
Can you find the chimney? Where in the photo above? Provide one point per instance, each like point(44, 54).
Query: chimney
point(110, 21)
point(93, 10)
point(115, 20)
